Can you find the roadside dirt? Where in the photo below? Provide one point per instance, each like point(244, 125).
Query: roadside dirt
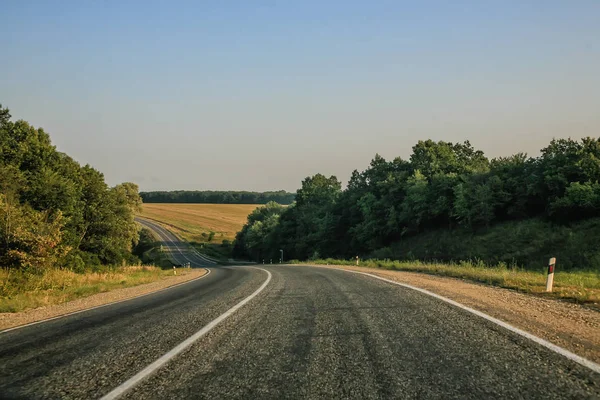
point(9, 320)
point(571, 326)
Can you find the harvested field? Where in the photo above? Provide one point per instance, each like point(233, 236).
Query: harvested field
point(195, 222)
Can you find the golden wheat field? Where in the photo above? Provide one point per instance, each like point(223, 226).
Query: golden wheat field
point(194, 222)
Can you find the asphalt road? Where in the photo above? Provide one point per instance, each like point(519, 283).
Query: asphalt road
point(180, 252)
point(311, 333)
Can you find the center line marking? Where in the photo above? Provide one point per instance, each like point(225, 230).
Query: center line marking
point(150, 369)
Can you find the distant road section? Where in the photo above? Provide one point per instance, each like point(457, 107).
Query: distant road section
point(180, 252)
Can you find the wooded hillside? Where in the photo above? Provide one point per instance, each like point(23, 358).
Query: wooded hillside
point(402, 208)
point(55, 212)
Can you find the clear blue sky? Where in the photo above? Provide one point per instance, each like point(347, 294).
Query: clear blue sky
point(258, 95)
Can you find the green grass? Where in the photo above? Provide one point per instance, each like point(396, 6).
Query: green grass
point(21, 290)
point(578, 286)
point(218, 251)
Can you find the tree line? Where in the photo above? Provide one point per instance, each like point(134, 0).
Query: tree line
point(217, 197)
point(443, 186)
point(55, 212)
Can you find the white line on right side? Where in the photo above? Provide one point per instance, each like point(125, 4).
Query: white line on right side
point(557, 349)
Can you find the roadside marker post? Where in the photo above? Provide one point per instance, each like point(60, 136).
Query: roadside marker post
point(550, 279)
point(174, 270)
point(356, 260)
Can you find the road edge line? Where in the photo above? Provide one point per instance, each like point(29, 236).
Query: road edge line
point(14, 328)
point(151, 221)
point(543, 342)
point(165, 358)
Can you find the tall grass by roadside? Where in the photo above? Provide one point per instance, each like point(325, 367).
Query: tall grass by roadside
point(578, 286)
point(21, 290)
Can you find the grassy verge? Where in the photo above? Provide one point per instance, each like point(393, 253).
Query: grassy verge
point(21, 290)
point(220, 252)
point(578, 286)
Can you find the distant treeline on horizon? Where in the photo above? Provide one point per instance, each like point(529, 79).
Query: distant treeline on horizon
point(218, 197)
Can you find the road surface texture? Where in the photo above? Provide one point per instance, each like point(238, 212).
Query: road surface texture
point(311, 333)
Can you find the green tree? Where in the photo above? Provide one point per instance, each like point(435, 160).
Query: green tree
point(34, 239)
point(55, 211)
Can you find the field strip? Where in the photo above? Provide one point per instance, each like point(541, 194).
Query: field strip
point(104, 305)
point(557, 349)
point(150, 369)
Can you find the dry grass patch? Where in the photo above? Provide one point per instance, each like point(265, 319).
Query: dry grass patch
point(20, 290)
point(194, 222)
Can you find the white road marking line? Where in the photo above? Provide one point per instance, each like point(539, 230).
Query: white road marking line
point(118, 301)
point(14, 328)
point(150, 369)
point(557, 349)
point(164, 235)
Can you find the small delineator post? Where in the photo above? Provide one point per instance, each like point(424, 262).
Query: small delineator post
point(356, 260)
point(174, 270)
point(550, 279)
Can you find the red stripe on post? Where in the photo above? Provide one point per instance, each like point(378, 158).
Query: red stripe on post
point(551, 264)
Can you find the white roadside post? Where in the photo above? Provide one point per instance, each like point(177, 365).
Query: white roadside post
point(356, 260)
point(550, 280)
point(174, 270)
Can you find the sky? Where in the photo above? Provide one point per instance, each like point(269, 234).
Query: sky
point(258, 95)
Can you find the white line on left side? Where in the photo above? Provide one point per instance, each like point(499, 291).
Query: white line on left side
point(150, 369)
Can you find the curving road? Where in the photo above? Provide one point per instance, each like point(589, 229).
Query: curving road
point(180, 252)
point(312, 333)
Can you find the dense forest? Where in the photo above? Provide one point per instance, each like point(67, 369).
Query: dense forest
point(55, 212)
point(447, 202)
point(217, 197)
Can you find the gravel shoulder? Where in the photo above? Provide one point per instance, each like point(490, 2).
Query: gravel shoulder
point(9, 320)
point(571, 326)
